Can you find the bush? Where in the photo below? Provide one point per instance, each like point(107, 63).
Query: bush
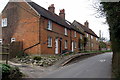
point(37, 58)
point(10, 73)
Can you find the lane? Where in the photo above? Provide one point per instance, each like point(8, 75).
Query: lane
point(94, 67)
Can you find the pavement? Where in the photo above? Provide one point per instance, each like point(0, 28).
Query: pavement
point(98, 66)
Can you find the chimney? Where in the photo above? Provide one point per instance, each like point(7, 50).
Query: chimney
point(51, 8)
point(62, 13)
point(86, 24)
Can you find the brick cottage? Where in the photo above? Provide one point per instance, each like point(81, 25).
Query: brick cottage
point(42, 31)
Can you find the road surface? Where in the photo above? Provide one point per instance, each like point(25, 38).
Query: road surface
point(94, 67)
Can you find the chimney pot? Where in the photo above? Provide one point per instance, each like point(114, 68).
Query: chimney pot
point(86, 24)
point(51, 8)
point(62, 13)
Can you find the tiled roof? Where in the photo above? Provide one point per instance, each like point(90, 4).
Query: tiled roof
point(73, 27)
point(86, 29)
point(49, 15)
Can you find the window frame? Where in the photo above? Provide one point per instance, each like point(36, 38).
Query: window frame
point(87, 34)
point(66, 32)
point(4, 22)
point(75, 34)
point(49, 27)
point(49, 42)
point(1, 41)
point(91, 37)
point(66, 44)
point(13, 40)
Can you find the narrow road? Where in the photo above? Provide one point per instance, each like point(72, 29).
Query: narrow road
point(94, 67)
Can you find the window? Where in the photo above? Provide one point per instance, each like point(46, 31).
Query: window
point(65, 44)
point(1, 41)
point(92, 44)
point(49, 42)
point(96, 39)
point(87, 34)
point(4, 22)
point(49, 25)
point(75, 45)
point(91, 37)
point(65, 31)
point(75, 34)
point(13, 40)
point(81, 36)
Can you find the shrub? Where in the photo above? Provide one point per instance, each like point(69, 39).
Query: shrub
point(37, 58)
point(9, 73)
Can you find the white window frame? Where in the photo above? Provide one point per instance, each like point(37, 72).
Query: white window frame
point(75, 34)
point(13, 40)
point(66, 42)
point(1, 41)
point(87, 34)
point(92, 45)
point(66, 31)
point(49, 41)
point(4, 22)
point(91, 37)
point(49, 27)
point(96, 39)
point(81, 37)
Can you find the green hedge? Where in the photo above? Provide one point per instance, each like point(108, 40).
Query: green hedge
point(10, 73)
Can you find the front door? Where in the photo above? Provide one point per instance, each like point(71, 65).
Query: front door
point(56, 46)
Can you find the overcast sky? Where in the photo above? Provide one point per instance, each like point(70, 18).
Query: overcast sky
point(80, 10)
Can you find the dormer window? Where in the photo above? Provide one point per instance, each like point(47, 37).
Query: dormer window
point(66, 31)
point(13, 40)
point(49, 25)
point(75, 34)
point(4, 22)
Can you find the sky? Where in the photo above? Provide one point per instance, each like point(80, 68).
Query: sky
point(80, 10)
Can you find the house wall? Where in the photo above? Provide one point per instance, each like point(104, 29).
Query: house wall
point(75, 39)
point(23, 25)
point(57, 31)
point(92, 44)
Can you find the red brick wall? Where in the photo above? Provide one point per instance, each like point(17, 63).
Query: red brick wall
point(23, 24)
point(57, 32)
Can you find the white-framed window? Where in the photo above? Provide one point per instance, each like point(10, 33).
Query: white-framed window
point(91, 37)
point(1, 41)
point(66, 44)
point(49, 25)
point(66, 31)
point(87, 34)
point(96, 39)
point(75, 34)
point(75, 46)
point(49, 42)
point(92, 45)
point(4, 22)
point(13, 40)
point(81, 36)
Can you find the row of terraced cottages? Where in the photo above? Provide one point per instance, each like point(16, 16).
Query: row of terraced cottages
point(42, 31)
